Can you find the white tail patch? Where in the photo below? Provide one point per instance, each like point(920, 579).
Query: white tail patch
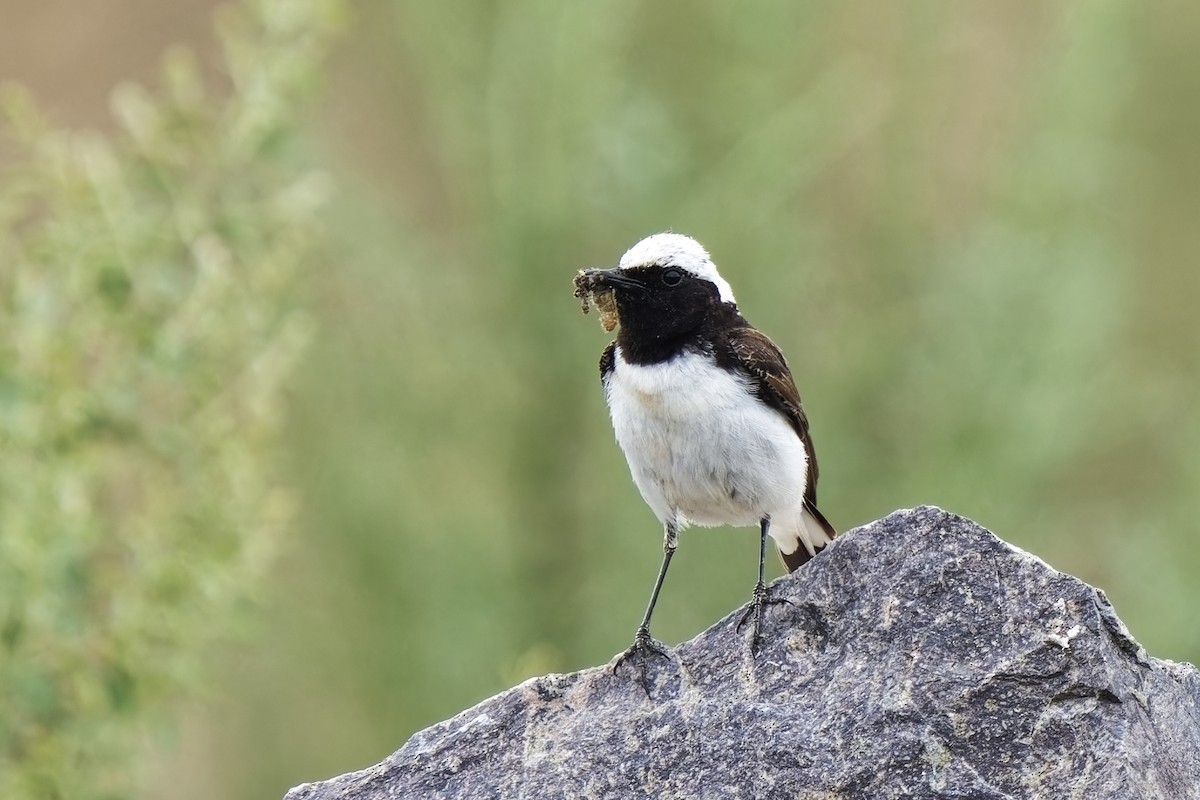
point(811, 533)
point(802, 531)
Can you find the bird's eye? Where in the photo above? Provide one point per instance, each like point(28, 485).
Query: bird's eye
point(672, 277)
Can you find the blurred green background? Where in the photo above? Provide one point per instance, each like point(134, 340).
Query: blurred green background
point(972, 228)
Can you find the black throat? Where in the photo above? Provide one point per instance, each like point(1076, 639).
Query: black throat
point(653, 340)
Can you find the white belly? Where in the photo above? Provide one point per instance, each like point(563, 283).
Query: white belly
point(701, 447)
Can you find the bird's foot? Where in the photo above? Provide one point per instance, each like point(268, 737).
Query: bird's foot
point(754, 613)
point(644, 646)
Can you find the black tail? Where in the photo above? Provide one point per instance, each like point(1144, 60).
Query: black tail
point(815, 532)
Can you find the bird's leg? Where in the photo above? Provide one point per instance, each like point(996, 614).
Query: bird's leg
point(643, 643)
point(760, 597)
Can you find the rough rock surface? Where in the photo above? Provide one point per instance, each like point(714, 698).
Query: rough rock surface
point(918, 656)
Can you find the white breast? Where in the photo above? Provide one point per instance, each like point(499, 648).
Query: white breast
point(702, 448)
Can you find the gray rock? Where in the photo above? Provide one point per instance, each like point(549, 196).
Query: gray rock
point(918, 656)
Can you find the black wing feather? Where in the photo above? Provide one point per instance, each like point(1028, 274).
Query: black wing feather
point(760, 360)
point(607, 361)
point(756, 355)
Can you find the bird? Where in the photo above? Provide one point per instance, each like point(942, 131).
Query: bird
point(706, 411)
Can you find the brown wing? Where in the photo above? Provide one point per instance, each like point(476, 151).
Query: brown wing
point(771, 379)
point(760, 360)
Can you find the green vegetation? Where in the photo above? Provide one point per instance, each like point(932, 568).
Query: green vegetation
point(957, 222)
point(970, 228)
point(146, 313)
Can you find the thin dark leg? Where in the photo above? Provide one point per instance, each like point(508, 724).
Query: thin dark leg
point(643, 643)
point(764, 527)
point(760, 598)
point(644, 629)
point(670, 542)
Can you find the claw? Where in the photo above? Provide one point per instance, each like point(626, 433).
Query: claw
point(758, 602)
point(643, 647)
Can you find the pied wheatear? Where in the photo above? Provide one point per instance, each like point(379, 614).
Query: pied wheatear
point(705, 409)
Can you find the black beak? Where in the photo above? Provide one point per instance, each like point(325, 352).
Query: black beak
point(612, 278)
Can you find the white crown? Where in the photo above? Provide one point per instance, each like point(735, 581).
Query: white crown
point(677, 250)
